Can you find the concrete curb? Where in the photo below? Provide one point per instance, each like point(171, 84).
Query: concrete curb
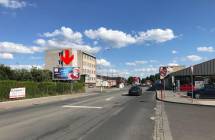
point(181, 102)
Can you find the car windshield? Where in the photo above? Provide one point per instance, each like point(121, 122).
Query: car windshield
point(135, 88)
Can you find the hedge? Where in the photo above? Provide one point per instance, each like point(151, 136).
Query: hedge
point(39, 89)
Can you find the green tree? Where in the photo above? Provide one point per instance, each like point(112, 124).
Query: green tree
point(22, 75)
point(129, 81)
point(143, 80)
point(6, 73)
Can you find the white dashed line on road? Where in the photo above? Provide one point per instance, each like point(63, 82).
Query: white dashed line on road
point(108, 99)
point(86, 107)
point(152, 118)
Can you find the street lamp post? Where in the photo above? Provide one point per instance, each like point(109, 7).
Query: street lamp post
point(191, 68)
point(101, 81)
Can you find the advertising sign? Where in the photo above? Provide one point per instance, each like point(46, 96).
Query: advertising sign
point(136, 80)
point(67, 57)
point(17, 93)
point(66, 73)
point(199, 84)
point(164, 71)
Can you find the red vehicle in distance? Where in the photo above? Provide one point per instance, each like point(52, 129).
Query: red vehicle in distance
point(187, 87)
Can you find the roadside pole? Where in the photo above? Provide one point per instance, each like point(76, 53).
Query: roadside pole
point(106, 49)
point(101, 83)
point(71, 86)
point(164, 85)
point(161, 89)
point(192, 81)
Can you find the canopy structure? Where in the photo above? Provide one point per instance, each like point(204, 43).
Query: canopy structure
point(203, 69)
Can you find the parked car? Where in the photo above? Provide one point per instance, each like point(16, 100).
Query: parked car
point(186, 87)
point(208, 91)
point(135, 91)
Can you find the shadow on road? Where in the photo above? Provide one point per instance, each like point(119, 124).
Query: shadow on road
point(151, 88)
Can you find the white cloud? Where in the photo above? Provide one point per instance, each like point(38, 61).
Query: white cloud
point(65, 38)
point(147, 70)
point(115, 37)
point(140, 62)
point(118, 39)
point(112, 72)
point(156, 35)
point(194, 58)
point(103, 62)
point(40, 42)
point(130, 63)
point(14, 4)
point(174, 52)
point(173, 64)
point(153, 61)
point(6, 56)
point(67, 33)
point(51, 44)
point(10, 47)
point(205, 49)
point(28, 67)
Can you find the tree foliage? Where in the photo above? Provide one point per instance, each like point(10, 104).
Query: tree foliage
point(37, 75)
point(151, 78)
point(129, 81)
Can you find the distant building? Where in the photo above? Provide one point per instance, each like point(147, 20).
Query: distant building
point(107, 81)
point(175, 68)
point(203, 73)
point(85, 61)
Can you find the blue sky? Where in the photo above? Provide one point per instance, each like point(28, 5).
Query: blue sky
point(141, 34)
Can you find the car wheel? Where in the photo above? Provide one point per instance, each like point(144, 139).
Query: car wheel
point(197, 96)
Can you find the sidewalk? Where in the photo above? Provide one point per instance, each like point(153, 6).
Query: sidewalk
point(181, 97)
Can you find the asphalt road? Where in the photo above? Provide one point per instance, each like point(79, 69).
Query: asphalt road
point(109, 116)
point(191, 122)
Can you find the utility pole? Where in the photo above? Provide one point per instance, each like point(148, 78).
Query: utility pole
point(191, 68)
point(101, 81)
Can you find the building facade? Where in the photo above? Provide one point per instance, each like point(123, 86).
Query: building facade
point(203, 73)
point(107, 81)
point(85, 61)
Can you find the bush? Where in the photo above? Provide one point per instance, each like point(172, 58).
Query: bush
point(39, 89)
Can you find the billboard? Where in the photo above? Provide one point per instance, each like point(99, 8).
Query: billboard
point(136, 80)
point(66, 73)
point(17, 93)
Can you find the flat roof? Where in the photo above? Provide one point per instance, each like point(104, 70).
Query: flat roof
point(204, 68)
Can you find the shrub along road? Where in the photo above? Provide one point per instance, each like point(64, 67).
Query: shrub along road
point(39, 89)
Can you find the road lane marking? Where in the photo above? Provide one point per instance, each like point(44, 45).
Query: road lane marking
point(108, 99)
point(152, 118)
point(74, 106)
